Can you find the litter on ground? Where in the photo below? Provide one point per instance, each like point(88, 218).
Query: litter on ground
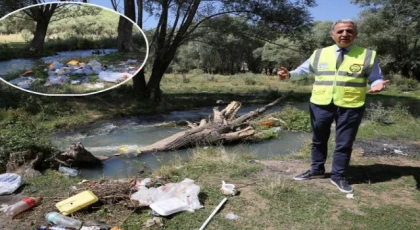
point(91, 75)
point(169, 198)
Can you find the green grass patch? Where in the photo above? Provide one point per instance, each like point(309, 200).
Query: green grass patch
point(391, 123)
point(384, 217)
point(50, 184)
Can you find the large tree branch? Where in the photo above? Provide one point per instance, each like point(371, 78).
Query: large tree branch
point(171, 34)
point(257, 112)
point(187, 34)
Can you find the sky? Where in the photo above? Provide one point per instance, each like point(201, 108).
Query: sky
point(331, 10)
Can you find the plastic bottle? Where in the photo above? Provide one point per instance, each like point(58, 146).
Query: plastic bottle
point(65, 221)
point(22, 205)
point(55, 227)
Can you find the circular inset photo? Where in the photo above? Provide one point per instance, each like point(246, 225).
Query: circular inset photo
point(69, 49)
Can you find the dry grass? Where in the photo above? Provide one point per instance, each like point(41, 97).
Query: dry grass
point(11, 38)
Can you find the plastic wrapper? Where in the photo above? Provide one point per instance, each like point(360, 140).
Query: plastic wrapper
point(56, 80)
point(113, 76)
point(169, 198)
point(9, 182)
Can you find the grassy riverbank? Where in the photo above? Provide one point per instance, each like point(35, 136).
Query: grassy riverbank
point(26, 120)
point(385, 194)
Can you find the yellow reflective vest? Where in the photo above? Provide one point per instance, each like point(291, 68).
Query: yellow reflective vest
point(345, 87)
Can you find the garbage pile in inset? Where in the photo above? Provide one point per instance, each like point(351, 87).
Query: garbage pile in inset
point(90, 75)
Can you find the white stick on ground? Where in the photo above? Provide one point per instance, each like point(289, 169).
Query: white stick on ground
point(213, 213)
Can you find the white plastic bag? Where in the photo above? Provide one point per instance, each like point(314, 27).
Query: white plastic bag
point(9, 182)
point(56, 80)
point(113, 76)
point(96, 66)
point(170, 198)
point(131, 61)
point(23, 82)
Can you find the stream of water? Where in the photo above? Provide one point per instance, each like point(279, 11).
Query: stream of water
point(108, 138)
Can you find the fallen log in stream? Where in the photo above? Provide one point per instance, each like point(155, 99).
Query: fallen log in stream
point(224, 127)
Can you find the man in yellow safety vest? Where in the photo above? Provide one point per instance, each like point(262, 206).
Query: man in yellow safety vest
point(342, 72)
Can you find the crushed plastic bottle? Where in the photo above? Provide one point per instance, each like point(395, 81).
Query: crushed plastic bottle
point(68, 171)
point(61, 220)
point(55, 227)
point(22, 205)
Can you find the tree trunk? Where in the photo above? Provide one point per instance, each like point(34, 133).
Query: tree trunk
point(37, 44)
point(124, 39)
point(159, 67)
point(405, 71)
point(139, 81)
point(153, 86)
point(125, 28)
point(139, 85)
point(140, 13)
point(224, 128)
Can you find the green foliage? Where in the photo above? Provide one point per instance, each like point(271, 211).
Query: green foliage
point(210, 77)
point(295, 119)
point(273, 93)
point(391, 27)
point(403, 84)
point(266, 134)
point(20, 133)
point(26, 35)
point(377, 113)
point(249, 81)
point(79, 43)
point(196, 72)
point(222, 47)
point(284, 52)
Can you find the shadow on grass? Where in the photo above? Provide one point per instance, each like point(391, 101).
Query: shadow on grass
point(376, 173)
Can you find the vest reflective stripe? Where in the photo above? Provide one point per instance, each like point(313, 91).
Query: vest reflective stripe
point(340, 83)
point(346, 87)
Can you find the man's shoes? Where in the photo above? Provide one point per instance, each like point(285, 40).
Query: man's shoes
point(308, 175)
point(342, 185)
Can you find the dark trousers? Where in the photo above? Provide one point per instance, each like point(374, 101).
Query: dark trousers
point(347, 122)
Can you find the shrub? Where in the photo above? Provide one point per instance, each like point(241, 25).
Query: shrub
point(18, 133)
point(249, 81)
point(377, 113)
point(295, 119)
point(210, 77)
point(404, 84)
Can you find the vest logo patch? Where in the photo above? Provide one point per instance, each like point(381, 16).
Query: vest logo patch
point(355, 68)
point(323, 65)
